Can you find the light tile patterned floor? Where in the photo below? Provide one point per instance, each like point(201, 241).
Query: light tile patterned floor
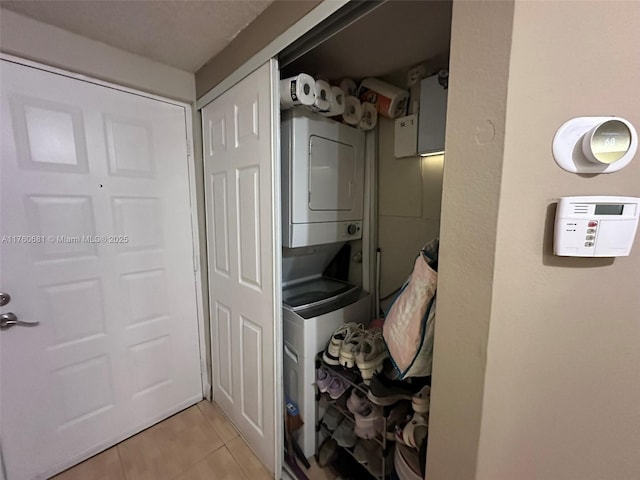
point(198, 443)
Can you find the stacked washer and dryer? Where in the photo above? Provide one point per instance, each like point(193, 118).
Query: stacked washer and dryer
point(322, 209)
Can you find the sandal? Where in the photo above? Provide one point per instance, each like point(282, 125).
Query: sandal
point(415, 431)
point(420, 401)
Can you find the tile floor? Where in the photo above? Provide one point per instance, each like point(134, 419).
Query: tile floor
point(196, 444)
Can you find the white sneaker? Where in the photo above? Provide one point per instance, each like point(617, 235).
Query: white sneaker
point(351, 346)
point(331, 354)
point(371, 354)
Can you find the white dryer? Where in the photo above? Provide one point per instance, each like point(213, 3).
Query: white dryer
point(322, 180)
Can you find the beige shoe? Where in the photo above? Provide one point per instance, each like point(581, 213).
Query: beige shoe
point(351, 346)
point(415, 432)
point(421, 400)
point(331, 354)
point(371, 354)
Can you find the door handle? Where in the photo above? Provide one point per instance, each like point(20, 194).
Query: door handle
point(9, 320)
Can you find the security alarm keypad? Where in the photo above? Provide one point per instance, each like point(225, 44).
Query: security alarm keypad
point(596, 226)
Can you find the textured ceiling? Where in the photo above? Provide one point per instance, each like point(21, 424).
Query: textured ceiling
point(184, 34)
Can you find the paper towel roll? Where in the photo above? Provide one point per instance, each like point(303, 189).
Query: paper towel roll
point(352, 111)
point(337, 103)
point(298, 90)
point(349, 87)
point(322, 102)
point(369, 118)
point(390, 101)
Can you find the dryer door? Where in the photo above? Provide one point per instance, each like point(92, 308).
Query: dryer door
point(332, 169)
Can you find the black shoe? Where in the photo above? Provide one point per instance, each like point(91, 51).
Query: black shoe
point(384, 392)
point(327, 452)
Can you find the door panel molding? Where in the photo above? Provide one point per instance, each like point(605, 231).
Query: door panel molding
point(242, 153)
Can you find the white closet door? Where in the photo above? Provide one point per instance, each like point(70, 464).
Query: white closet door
point(96, 247)
point(242, 230)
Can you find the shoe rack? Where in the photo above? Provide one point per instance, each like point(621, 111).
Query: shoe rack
point(351, 378)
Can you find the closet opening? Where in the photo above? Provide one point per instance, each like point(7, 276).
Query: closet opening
point(363, 114)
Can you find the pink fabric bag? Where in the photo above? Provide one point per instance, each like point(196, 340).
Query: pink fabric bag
point(409, 325)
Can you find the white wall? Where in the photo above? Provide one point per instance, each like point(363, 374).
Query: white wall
point(476, 118)
point(562, 388)
point(409, 197)
point(536, 359)
point(33, 40)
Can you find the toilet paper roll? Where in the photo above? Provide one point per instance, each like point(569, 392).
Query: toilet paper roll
point(369, 118)
point(337, 103)
point(322, 102)
point(349, 87)
point(352, 111)
point(298, 90)
point(390, 101)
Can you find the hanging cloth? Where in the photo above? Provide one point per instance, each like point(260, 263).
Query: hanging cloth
point(410, 322)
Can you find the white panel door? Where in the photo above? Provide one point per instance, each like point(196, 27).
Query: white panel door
point(241, 167)
point(97, 247)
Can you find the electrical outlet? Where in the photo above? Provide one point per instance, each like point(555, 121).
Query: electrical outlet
point(415, 74)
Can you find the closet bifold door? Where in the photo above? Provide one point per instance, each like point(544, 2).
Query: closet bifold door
point(242, 189)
